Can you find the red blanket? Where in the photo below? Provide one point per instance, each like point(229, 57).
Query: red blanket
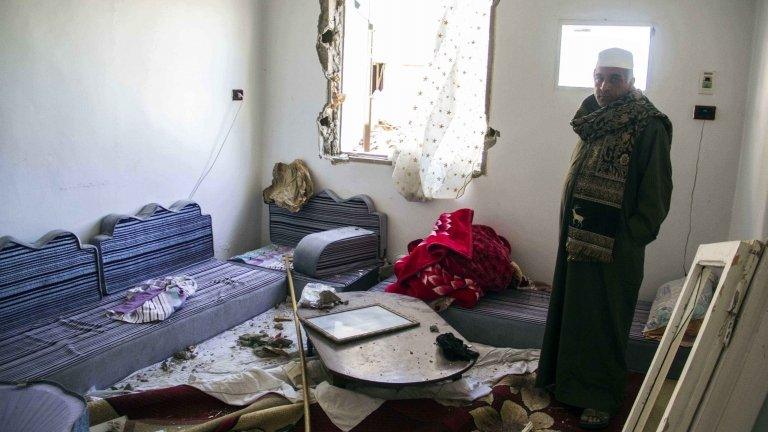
point(458, 260)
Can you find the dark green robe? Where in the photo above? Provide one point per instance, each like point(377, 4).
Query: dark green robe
point(592, 304)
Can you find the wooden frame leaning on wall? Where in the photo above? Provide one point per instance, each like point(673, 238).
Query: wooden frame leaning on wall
point(724, 381)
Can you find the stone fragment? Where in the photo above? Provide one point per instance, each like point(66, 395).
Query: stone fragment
point(185, 354)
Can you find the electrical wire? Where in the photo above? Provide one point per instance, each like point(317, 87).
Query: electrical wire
point(208, 168)
point(693, 190)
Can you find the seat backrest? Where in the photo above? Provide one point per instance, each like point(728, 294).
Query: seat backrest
point(326, 211)
point(155, 242)
point(41, 280)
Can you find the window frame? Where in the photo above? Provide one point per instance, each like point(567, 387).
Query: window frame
point(331, 149)
point(607, 23)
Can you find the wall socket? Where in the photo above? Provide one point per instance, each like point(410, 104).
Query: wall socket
point(238, 94)
point(704, 112)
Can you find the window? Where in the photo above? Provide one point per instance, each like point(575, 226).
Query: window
point(408, 85)
point(580, 44)
point(388, 45)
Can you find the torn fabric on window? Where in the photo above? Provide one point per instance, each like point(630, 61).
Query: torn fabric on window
point(442, 146)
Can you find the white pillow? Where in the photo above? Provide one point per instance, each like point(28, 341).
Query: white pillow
point(666, 298)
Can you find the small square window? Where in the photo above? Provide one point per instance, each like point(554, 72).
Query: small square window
point(580, 45)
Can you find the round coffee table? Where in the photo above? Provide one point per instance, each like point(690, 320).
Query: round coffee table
point(405, 357)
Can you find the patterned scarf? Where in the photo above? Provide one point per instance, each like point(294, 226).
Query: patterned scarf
point(609, 135)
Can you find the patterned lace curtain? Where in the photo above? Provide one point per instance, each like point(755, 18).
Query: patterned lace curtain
point(443, 144)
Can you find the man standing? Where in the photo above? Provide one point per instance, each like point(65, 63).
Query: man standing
point(616, 196)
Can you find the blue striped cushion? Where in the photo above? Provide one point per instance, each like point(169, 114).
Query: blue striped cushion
point(44, 279)
point(326, 211)
point(153, 243)
point(352, 280)
point(42, 351)
point(523, 306)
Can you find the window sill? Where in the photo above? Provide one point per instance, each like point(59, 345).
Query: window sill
point(368, 158)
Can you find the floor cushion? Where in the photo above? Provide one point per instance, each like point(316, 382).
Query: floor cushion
point(516, 318)
point(86, 348)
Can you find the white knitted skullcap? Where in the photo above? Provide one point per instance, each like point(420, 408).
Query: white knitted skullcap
point(615, 57)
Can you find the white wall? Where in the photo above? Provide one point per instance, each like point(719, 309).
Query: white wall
point(520, 196)
point(108, 105)
point(750, 210)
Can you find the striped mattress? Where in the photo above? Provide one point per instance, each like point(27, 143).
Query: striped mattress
point(352, 280)
point(524, 306)
point(102, 350)
point(516, 318)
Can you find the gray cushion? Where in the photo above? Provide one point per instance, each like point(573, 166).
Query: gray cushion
point(335, 251)
point(86, 348)
point(49, 277)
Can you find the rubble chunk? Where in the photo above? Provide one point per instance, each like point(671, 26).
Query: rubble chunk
point(185, 354)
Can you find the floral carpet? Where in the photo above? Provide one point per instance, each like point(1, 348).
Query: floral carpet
point(512, 404)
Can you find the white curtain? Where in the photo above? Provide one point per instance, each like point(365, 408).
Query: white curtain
point(443, 143)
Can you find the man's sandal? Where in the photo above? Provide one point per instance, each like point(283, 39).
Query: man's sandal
point(594, 419)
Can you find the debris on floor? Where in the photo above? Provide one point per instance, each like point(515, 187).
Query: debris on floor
point(185, 354)
point(268, 351)
point(262, 338)
point(280, 341)
point(433, 328)
point(219, 355)
point(329, 299)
